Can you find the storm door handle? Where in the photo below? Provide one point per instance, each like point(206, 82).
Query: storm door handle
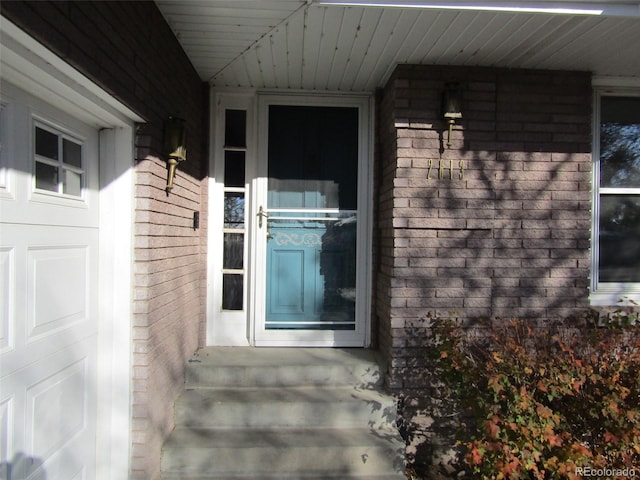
point(261, 214)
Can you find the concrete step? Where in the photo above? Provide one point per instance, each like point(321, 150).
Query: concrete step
point(251, 367)
point(283, 407)
point(284, 413)
point(251, 453)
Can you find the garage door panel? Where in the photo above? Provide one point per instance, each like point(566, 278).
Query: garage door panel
point(57, 409)
point(29, 356)
point(57, 289)
point(50, 413)
point(7, 300)
point(6, 427)
point(49, 278)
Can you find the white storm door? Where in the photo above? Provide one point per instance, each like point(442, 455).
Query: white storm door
point(49, 219)
point(311, 242)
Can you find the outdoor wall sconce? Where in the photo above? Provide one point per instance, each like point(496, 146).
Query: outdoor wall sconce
point(451, 106)
point(174, 147)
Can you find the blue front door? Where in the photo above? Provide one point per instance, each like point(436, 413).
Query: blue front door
point(311, 218)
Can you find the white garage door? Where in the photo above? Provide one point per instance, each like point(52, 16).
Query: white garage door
point(48, 290)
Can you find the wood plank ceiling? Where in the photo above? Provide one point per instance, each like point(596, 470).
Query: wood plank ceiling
point(302, 45)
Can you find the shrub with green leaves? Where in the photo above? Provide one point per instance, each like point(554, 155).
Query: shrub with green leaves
point(544, 401)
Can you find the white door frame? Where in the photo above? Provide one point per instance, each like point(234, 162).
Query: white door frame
point(225, 327)
point(246, 327)
point(37, 70)
point(360, 337)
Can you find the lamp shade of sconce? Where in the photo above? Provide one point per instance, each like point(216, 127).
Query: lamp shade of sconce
point(174, 147)
point(451, 106)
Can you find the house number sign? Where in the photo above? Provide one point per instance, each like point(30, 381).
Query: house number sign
point(444, 165)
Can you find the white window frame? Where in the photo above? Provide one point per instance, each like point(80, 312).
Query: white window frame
point(59, 164)
point(607, 293)
point(226, 327)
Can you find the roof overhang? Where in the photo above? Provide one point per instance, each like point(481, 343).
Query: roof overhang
point(354, 45)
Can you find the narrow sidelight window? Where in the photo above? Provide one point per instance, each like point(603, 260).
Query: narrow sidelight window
point(235, 151)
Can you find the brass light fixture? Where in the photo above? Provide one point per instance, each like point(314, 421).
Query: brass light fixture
point(451, 106)
point(174, 147)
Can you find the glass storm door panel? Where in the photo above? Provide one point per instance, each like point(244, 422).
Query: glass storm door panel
point(311, 218)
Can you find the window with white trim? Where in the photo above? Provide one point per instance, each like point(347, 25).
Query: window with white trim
point(616, 266)
point(58, 166)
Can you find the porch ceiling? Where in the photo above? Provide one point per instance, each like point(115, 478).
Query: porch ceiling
point(310, 45)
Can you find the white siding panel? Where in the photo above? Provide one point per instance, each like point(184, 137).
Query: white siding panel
point(431, 45)
point(295, 45)
point(382, 51)
point(447, 43)
point(411, 27)
point(387, 56)
point(585, 55)
point(265, 63)
point(331, 29)
point(351, 46)
point(419, 37)
point(253, 67)
point(369, 23)
point(486, 36)
point(313, 19)
point(278, 47)
point(549, 39)
point(525, 31)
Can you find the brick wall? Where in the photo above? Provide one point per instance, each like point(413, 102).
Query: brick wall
point(169, 295)
point(128, 49)
point(503, 228)
point(383, 273)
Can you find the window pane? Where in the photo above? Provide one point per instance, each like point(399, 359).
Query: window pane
point(620, 142)
point(72, 153)
point(235, 132)
point(46, 177)
point(313, 157)
point(46, 144)
point(233, 210)
point(234, 169)
point(619, 238)
point(232, 291)
point(233, 250)
point(72, 184)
